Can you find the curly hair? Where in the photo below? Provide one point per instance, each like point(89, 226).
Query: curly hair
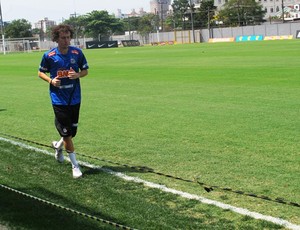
point(61, 28)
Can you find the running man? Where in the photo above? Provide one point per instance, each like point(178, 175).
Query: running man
point(62, 67)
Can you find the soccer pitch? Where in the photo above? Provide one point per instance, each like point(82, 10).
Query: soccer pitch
point(226, 115)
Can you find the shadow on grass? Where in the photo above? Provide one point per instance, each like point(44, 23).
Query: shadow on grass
point(21, 212)
point(133, 169)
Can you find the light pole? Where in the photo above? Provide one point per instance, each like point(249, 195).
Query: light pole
point(2, 30)
point(162, 4)
point(192, 19)
point(75, 27)
point(282, 8)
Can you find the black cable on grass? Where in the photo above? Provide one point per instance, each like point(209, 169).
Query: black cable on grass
point(206, 187)
point(120, 226)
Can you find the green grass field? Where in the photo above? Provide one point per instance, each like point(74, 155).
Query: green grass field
point(226, 113)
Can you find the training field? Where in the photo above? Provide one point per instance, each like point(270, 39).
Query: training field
point(166, 124)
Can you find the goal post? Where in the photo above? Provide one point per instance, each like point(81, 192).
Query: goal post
point(16, 45)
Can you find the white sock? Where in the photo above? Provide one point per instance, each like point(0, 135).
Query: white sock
point(60, 143)
point(73, 159)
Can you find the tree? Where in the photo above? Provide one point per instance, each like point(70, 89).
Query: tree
point(131, 23)
point(100, 25)
point(19, 28)
point(241, 13)
point(180, 8)
point(142, 25)
point(78, 24)
point(170, 23)
point(35, 31)
point(147, 24)
point(205, 13)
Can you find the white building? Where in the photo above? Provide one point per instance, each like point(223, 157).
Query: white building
point(44, 24)
point(133, 13)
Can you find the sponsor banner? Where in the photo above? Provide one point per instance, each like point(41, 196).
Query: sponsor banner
point(298, 34)
point(249, 38)
point(213, 40)
point(282, 37)
point(100, 45)
point(127, 43)
point(162, 43)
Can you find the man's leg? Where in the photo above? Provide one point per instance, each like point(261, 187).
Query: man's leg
point(69, 146)
point(57, 145)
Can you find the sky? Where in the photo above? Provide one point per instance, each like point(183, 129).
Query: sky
point(56, 10)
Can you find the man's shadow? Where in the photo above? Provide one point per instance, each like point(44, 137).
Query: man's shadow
point(121, 169)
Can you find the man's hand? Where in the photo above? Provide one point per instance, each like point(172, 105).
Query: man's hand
point(55, 82)
point(72, 74)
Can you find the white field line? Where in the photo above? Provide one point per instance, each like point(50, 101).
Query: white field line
point(201, 199)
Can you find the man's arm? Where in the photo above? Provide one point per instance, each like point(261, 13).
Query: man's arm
point(55, 81)
point(44, 76)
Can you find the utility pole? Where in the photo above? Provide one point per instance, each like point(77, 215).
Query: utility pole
point(2, 30)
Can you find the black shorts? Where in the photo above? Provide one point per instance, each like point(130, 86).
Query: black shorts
point(66, 119)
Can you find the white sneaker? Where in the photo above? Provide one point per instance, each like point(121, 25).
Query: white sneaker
point(59, 156)
point(76, 172)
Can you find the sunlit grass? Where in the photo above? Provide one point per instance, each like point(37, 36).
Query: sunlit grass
point(226, 113)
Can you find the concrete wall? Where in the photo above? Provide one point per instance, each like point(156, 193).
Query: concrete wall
point(203, 35)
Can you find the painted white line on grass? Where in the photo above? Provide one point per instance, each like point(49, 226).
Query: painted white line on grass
point(204, 200)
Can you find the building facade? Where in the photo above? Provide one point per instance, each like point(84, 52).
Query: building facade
point(273, 8)
point(160, 7)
